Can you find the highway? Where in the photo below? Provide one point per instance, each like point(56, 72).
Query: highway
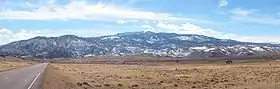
point(30, 77)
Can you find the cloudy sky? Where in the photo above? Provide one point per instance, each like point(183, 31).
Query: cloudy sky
point(243, 20)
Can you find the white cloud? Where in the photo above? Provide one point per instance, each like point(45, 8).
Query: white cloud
point(186, 28)
point(83, 11)
point(242, 12)
point(51, 1)
point(252, 16)
point(259, 19)
point(258, 39)
point(126, 21)
point(121, 22)
point(223, 3)
point(28, 4)
point(7, 35)
point(148, 28)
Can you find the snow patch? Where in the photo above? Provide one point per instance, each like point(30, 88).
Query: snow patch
point(184, 38)
point(89, 55)
point(199, 48)
point(151, 42)
point(257, 48)
point(139, 40)
point(210, 49)
point(110, 37)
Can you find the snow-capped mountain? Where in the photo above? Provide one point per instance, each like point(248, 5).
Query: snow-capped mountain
point(136, 43)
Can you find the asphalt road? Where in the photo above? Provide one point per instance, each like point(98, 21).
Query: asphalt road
point(23, 78)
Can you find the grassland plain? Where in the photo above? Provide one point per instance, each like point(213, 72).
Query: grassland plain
point(256, 75)
point(13, 63)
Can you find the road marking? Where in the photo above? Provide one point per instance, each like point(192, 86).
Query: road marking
point(36, 77)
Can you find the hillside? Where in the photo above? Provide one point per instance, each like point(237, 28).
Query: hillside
point(136, 43)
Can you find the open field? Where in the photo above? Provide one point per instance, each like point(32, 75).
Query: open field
point(12, 63)
point(54, 80)
point(243, 75)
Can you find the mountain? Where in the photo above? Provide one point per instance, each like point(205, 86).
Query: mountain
point(136, 43)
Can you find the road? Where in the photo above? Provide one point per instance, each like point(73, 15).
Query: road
point(23, 78)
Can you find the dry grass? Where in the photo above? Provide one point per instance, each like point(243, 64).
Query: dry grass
point(262, 75)
point(8, 65)
point(54, 80)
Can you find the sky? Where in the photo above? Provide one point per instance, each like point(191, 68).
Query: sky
point(242, 20)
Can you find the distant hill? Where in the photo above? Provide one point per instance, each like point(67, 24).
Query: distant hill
point(136, 43)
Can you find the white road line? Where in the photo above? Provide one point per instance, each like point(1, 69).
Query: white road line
point(36, 77)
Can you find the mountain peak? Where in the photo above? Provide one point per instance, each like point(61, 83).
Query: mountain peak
point(135, 43)
point(69, 36)
point(39, 37)
point(135, 33)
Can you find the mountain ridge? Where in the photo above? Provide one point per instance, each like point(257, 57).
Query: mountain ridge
point(136, 43)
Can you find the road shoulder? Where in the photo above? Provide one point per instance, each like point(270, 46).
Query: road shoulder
point(54, 80)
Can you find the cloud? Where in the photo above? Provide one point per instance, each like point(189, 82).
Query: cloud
point(242, 12)
point(252, 16)
point(121, 21)
point(7, 35)
point(148, 28)
point(50, 1)
point(81, 10)
point(189, 28)
point(28, 4)
point(223, 3)
point(126, 21)
point(259, 19)
point(257, 39)
point(186, 28)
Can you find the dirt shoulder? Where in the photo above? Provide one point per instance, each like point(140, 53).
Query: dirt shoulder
point(53, 79)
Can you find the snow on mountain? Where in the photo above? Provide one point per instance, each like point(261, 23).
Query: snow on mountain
point(199, 48)
point(136, 43)
point(258, 48)
point(184, 38)
point(110, 37)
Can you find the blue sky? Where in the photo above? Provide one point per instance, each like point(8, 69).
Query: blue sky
point(243, 20)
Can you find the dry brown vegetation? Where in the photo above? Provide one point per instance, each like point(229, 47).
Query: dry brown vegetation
point(54, 80)
point(9, 63)
point(257, 75)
